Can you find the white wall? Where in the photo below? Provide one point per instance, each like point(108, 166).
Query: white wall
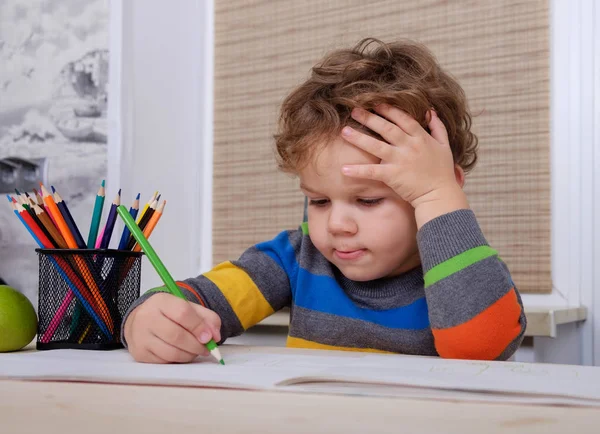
point(162, 126)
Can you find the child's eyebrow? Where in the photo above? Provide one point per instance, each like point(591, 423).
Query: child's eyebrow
point(304, 187)
point(353, 190)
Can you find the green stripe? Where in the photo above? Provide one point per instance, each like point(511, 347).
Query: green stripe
point(457, 263)
point(159, 289)
point(304, 227)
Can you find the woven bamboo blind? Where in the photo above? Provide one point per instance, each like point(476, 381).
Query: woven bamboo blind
point(499, 52)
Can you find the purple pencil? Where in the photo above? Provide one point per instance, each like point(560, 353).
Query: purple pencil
point(110, 221)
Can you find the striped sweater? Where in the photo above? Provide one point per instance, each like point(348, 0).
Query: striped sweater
point(461, 302)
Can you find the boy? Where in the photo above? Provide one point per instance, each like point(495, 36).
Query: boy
point(391, 258)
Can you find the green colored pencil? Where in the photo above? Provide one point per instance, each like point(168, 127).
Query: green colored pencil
point(161, 269)
point(96, 216)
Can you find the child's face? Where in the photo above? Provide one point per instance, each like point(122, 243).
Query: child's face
point(361, 226)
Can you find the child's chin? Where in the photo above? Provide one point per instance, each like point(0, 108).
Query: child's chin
point(359, 275)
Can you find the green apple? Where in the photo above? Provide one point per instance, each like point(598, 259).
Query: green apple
point(18, 321)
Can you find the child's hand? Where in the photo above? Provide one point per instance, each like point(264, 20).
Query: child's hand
point(167, 329)
point(419, 167)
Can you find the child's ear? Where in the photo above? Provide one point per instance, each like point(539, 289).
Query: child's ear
point(459, 174)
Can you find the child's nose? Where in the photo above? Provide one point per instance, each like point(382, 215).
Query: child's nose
point(341, 222)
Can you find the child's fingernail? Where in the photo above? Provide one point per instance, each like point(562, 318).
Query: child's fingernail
point(346, 131)
point(204, 337)
point(346, 170)
point(356, 112)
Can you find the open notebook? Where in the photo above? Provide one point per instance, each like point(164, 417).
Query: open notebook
point(324, 372)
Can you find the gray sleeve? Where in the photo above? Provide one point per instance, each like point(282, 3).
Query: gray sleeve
point(468, 287)
point(245, 291)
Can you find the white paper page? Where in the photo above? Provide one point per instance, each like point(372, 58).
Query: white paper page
point(397, 391)
point(295, 370)
point(566, 381)
point(119, 367)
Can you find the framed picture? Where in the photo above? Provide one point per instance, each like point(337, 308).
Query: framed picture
point(54, 93)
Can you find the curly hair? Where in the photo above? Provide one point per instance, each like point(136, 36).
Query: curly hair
point(403, 74)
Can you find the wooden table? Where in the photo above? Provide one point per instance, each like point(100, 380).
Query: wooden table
point(47, 407)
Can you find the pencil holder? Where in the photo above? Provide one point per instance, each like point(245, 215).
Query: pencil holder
point(83, 295)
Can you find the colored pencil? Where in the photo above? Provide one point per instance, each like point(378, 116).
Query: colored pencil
point(85, 272)
point(94, 225)
point(96, 216)
point(151, 224)
point(77, 288)
point(144, 221)
point(42, 216)
point(61, 224)
point(161, 269)
point(40, 202)
point(26, 205)
point(38, 197)
point(134, 212)
point(64, 210)
point(110, 221)
point(141, 215)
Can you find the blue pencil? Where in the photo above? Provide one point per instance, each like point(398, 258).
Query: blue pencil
point(133, 211)
point(110, 222)
point(69, 220)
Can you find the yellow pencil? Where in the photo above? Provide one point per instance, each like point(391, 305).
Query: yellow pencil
point(152, 224)
point(146, 207)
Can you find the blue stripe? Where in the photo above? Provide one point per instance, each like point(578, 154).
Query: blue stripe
point(323, 293)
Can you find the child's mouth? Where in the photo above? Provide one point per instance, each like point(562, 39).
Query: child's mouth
point(349, 254)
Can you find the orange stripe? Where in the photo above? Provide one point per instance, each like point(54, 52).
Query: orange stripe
point(484, 336)
point(193, 291)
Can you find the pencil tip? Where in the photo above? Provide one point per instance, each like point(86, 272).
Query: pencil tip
point(119, 192)
point(18, 192)
point(8, 197)
point(222, 362)
point(158, 198)
point(27, 194)
point(35, 191)
point(138, 197)
point(102, 183)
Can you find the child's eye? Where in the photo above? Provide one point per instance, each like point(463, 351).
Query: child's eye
point(370, 202)
point(318, 202)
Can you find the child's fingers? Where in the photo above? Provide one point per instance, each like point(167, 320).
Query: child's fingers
point(183, 313)
point(212, 319)
point(437, 128)
point(174, 334)
point(391, 132)
point(375, 147)
point(165, 351)
point(147, 356)
point(399, 117)
point(376, 172)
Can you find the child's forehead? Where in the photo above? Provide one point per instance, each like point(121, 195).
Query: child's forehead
point(336, 153)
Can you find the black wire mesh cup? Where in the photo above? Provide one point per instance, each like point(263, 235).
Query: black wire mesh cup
point(83, 295)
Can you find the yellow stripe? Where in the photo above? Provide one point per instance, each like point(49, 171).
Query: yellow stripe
point(244, 297)
point(293, 342)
